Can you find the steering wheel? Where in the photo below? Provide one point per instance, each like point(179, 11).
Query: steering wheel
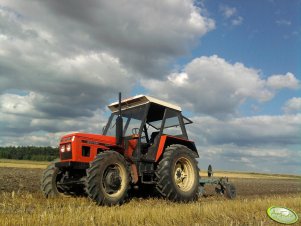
point(135, 131)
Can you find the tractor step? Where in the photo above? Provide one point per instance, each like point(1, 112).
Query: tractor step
point(148, 177)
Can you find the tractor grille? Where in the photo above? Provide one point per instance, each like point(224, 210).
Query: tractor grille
point(66, 155)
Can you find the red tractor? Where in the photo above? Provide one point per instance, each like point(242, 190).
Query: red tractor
point(143, 145)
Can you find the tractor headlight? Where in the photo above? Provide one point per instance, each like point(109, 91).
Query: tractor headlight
point(68, 147)
point(62, 148)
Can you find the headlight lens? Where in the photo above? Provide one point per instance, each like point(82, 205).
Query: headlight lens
point(68, 147)
point(62, 148)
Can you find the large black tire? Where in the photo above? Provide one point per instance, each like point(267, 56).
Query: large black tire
point(108, 179)
point(49, 181)
point(178, 161)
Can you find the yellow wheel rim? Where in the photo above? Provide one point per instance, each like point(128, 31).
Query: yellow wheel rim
point(184, 174)
point(122, 174)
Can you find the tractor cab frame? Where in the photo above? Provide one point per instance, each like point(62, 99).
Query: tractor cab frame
point(148, 122)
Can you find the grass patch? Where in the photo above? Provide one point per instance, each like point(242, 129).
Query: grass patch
point(23, 163)
point(34, 209)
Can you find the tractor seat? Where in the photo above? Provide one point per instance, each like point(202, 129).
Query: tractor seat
point(150, 154)
point(154, 135)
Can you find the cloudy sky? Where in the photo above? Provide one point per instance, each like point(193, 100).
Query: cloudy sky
point(234, 66)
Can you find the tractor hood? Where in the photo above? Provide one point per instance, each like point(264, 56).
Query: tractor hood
point(89, 138)
point(83, 147)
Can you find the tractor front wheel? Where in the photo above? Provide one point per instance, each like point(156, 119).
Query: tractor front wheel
point(51, 176)
point(108, 179)
point(177, 174)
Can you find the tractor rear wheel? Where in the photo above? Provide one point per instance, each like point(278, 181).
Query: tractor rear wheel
point(51, 176)
point(108, 179)
point(177, 174)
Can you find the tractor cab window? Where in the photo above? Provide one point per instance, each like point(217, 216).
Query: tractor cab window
point(153, 129)
point(111, 126)
point(172, 124)
point(132, 119)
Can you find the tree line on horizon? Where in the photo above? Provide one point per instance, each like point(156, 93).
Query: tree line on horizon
point(29, 153)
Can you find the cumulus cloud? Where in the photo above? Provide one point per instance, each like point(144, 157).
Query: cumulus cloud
point(16, 124)
point(227, 11)
point(254, 159)
point(145, 36)
point(283, 81)
point(258, 143)
point(248, 131)
point(293, 105)
point(230, 13)
point(237, 21)
point(211, 85)
point(283, 22)
point(17, 104)
point(78, 81)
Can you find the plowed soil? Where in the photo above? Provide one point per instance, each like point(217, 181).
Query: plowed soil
point(21, 179)
point(261, 187)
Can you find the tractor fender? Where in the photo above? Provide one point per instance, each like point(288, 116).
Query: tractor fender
point(166, 141)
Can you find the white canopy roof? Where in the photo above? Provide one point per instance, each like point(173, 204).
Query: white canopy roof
point(141, 100)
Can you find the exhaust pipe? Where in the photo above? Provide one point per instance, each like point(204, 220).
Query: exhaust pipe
point(119, 124)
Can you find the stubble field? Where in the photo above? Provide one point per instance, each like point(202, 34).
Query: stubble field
point(21, 202)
